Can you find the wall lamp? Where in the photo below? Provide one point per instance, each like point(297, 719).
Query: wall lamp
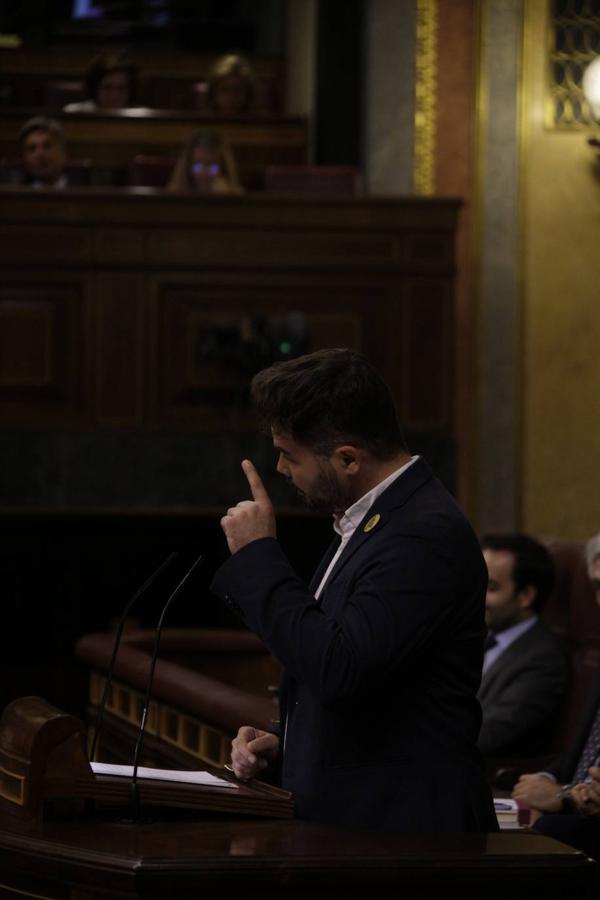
point(591, 90)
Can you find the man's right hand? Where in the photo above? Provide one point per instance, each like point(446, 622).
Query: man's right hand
point(538, 792)
point(252, 750)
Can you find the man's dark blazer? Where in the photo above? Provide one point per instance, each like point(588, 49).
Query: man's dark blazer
point(379, 711)
point(565, 766)
point(520, 695)
point(575, 829)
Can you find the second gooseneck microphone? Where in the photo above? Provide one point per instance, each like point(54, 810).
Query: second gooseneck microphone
point(111, 667)
point(134, 797)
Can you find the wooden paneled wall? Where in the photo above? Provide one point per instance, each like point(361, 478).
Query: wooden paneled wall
point(108, 298)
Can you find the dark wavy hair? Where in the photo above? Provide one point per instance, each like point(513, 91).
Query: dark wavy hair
point(102, 65)
point(328, 398)
point(533, 563)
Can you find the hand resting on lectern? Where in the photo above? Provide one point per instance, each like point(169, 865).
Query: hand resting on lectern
point(252, 751)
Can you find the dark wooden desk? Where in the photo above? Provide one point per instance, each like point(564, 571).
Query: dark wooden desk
point(89, 860)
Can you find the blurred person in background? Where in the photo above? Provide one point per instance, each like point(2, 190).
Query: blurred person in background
point(524, 667)
point(205, 166)
point(110, 83)
point(43, 153)
point(231, 88)
point(565, 797)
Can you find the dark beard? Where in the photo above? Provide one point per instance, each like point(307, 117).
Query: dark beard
point(326, 496)
point(501, 621)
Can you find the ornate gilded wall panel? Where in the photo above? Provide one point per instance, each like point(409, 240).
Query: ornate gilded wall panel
point(573, 42)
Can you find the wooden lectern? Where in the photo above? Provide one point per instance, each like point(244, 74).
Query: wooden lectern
point(43, 758)
point(82, 851)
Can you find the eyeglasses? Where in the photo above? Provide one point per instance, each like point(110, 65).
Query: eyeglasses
point(199, 168)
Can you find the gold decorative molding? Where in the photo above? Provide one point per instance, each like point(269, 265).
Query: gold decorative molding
point(12, 786)
point(425, 97)
point(187, 733)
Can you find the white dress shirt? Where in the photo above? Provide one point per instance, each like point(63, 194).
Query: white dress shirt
point(346, 524)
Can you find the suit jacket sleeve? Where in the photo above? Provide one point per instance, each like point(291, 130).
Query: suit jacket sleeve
point(373, 617)
point(564, 768)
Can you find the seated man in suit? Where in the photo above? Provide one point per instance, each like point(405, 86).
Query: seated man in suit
point(566, 798)
point(524, 669)
point(43, 153)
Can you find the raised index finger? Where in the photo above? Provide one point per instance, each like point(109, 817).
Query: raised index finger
point(259, 491)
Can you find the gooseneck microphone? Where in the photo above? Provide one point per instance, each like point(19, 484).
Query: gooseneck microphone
point(134, 796)
point(109, 676)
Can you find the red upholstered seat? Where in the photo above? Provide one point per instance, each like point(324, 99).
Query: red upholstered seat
point(197, 96)
point(149, 171)
point(338, 180)
point(59, 92)
point(80, 172)
point(573, 615)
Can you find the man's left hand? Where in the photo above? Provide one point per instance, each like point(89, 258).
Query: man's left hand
point(250, 519)
point(587, 795)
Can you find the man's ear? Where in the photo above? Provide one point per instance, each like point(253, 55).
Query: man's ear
point(348, 458)
point(527, 597)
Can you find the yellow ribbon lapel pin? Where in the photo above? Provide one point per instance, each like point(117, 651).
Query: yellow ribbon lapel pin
point(370, 525)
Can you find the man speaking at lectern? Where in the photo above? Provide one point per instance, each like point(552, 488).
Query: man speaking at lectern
point(383, 651)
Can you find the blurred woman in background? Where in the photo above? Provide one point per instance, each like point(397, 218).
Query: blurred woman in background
point(205, 166)
point(231, 87)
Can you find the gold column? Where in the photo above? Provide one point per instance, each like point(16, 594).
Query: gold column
point(425, 97)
